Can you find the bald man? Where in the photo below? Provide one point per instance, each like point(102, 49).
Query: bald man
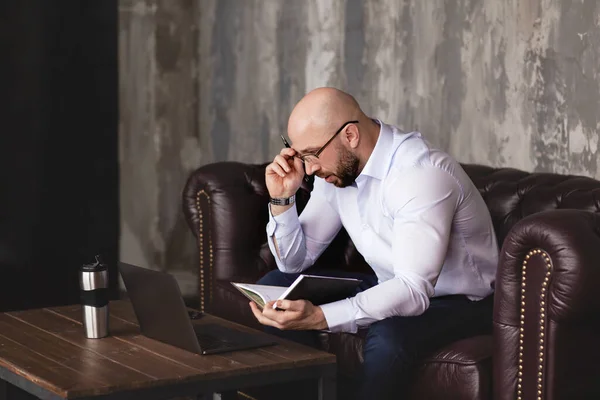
point(410, 210)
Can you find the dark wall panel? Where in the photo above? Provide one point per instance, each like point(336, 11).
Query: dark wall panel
point(58, 147)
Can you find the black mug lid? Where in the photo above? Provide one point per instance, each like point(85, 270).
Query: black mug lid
point(95, 266)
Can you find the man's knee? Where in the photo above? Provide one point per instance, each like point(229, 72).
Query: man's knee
point(389, 359)
point(387, 339)
point(277, 278)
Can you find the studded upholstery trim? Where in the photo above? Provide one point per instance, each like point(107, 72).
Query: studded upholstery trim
point(542, 322)
point(200, 194)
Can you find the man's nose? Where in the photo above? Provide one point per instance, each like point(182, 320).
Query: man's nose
point(311, 168)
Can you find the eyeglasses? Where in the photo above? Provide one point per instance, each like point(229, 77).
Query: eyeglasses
point(310, 158)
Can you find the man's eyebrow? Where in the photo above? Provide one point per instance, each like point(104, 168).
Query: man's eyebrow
point(307, 150)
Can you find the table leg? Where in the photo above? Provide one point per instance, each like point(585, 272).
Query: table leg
point(231, 395)
point(327, 388)
point(208, 396)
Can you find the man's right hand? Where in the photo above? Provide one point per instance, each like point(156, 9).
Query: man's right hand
point(284, 175)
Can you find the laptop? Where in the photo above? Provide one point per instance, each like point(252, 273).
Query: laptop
point(163, 316)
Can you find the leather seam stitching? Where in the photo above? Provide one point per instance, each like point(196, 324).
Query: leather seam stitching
point(469, 363)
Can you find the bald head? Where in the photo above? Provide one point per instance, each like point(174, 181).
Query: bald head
point(322, 111)
point(315, 123)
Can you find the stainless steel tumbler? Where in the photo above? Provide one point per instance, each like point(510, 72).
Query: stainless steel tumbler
point(93, 280)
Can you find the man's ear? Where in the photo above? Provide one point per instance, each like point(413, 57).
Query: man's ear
point(352, 135)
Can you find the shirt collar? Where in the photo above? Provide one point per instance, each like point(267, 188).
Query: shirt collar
point(379, 160)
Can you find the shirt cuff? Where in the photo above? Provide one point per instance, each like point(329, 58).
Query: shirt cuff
point(340, 316)
point(285, 223)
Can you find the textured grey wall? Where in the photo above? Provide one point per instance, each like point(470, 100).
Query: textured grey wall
point(503, 83)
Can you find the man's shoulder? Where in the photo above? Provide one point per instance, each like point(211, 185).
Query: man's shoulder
point(416, 163)
point(413, 153)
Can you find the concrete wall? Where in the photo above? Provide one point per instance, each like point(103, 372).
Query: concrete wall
point(503, 83)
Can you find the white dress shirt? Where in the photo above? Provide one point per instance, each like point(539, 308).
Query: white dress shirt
point(414, 215)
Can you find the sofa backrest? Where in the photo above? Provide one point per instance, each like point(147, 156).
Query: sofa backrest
point(226, 208)
point(512, 194)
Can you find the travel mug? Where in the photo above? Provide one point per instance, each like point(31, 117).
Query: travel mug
point(93, 280)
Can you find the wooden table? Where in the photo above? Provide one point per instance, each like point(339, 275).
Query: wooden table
point(44, 352)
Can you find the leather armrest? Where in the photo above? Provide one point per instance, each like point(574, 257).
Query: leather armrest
point(228, 179)
point(225, 206)
point(547, 308)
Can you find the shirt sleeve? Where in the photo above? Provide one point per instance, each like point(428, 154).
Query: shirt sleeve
point(422, 203)
point(302, 239)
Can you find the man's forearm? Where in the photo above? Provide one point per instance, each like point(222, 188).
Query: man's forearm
point(287, 233)
point(276, 246)
point(286, 240)
point(276, 210)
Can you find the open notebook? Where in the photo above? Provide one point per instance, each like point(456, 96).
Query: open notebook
point(314, 288)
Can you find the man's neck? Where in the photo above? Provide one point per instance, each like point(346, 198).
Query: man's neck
point(371, 137)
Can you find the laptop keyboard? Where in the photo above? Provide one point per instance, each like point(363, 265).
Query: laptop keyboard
point(211, 342)
point(215, 338)
point(208, 341)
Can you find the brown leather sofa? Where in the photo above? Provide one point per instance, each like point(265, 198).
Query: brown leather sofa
point(546, 335)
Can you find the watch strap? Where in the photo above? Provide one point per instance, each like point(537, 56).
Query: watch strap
point(283, 201)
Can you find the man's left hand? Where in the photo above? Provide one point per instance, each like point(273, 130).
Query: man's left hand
point(292, 315)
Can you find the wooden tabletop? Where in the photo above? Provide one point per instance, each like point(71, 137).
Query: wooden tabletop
point(47, 349)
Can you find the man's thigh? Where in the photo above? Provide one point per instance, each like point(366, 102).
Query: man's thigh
point(447, 319)
point(278, 278)
point(395, 345)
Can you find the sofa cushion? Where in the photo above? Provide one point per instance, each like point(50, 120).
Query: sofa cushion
point(463, 368)
point(348, 348)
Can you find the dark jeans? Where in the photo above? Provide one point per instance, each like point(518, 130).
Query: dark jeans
point(394, 345)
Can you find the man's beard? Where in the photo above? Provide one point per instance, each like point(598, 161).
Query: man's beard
point(347, 170)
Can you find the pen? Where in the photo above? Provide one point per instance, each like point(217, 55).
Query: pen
point(286, 144)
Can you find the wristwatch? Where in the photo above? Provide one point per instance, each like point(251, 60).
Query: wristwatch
point(284, 201)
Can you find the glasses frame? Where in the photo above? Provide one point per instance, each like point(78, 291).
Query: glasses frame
point(318, 152)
